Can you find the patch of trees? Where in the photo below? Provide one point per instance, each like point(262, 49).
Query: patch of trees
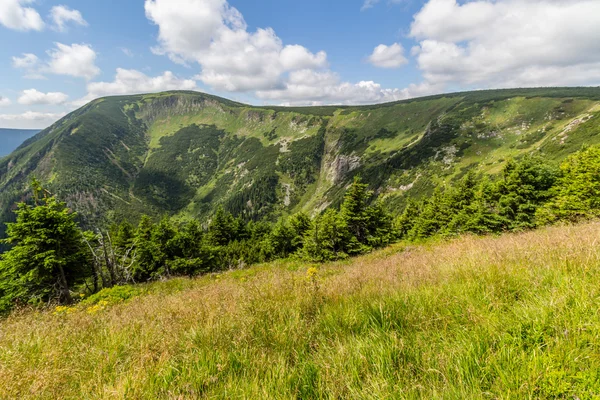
point(51, 259)
point(529, 193)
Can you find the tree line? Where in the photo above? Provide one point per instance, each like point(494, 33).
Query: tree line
point(51, 259)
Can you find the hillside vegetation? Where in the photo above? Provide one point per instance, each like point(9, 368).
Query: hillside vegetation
point(185, 153)
point(507, 317)
point(504, 317)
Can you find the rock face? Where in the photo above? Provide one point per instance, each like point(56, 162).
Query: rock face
point(341, 166)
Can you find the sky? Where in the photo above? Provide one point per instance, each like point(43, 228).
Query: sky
point(57, 55)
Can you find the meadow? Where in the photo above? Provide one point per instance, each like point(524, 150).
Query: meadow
point(501, 317)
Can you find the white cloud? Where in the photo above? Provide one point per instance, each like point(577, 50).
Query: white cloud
point(14, 15)
point(26, 61)
point(29, 120)
point(130, 81)
point(215, 35)
point(4, 102)
point(388, 56)
point(372, 3)
point(33, 96)
point(307, 87)
point(62, 15)
point(509, 43)
point(369, 4)
point(78, 60)
point(127, 52)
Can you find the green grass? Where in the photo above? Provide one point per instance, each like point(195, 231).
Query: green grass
point(508, 317)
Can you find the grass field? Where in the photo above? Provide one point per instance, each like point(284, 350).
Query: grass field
point(516, 316)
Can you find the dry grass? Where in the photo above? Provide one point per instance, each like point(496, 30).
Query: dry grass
point(508, 317)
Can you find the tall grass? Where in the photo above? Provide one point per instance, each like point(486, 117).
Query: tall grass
point(510, 317)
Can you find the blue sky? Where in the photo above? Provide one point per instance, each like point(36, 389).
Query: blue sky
point(58, 54)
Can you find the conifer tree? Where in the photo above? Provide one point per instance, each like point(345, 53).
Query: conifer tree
point(223, 227)
point(47, 255)
point(576, 195)
point(354, 209)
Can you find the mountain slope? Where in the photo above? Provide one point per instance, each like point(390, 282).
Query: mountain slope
point(184, 153)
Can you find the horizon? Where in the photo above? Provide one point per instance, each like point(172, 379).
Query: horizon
point(60, 55)
point(430, 96)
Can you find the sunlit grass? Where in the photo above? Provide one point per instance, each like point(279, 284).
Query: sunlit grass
point(515, 316)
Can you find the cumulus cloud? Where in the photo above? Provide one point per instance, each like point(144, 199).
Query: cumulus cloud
point(130, 81)
point(26, 61)
point(388, 56)
point(215, 35)
point(4, 102)
point(308, 87)
point(35, 97)
point(509, 43)
point(15, 15)
point(78, 60)
point(29, 119)
point(62, 15)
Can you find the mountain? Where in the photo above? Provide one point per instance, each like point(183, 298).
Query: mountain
point(185, 153)
point(10, 139)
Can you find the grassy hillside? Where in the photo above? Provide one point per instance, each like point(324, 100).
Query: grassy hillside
point(185, 153)
point(514, 316)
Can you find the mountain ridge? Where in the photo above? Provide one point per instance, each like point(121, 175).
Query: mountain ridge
point(182, 153)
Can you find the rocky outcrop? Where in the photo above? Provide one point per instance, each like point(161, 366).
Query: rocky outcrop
point(340, 166)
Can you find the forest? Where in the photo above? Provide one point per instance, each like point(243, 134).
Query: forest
point(50, 259)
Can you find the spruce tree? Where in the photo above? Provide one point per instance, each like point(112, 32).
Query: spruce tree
point(576, 195)
point(47, 255)
point(354, 209)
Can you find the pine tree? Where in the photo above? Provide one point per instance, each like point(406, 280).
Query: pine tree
point(300, 224)
point(328, 238)
point(281, 240)
point(223, 228)
point(354, 210)
point(163, 246)
point(47, 256)
point(523, 188)
point(577, 193)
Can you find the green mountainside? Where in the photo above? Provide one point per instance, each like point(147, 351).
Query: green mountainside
point(185, 153)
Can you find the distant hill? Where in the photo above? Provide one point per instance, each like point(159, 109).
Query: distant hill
point(10, 139)
point(184, 153)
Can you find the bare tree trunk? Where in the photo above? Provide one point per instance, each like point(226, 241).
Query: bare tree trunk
point(95, 275)
point(109, 266)
point(65, 293)
point(97, 266)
